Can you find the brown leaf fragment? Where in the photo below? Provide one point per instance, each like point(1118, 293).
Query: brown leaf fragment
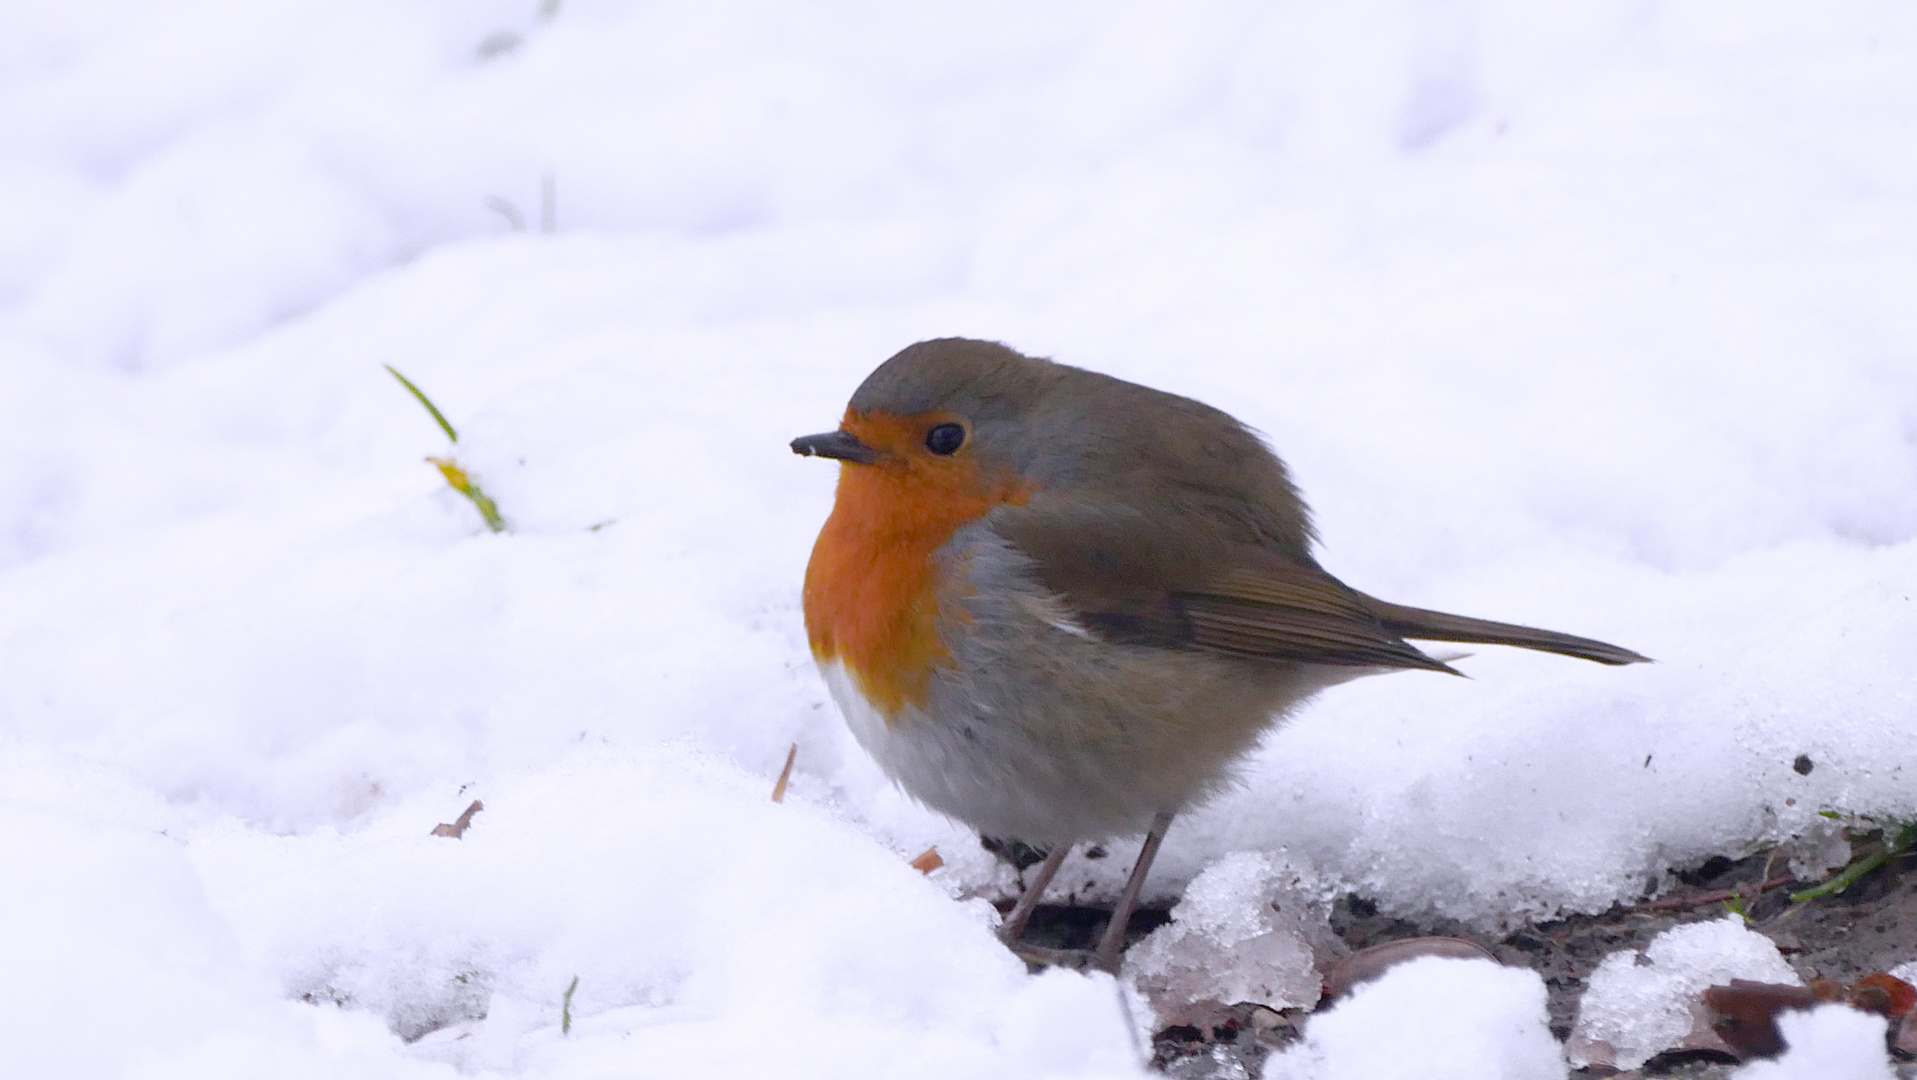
point(1885, 995)
point(1703, 1034)
point(931, 860)
point(1904, 1041)
point(1895, 1000)
point(1201, 1021)
point(458, 828)
point(1747, 1012)
point(1827, 989)
point(785, 774)
point(1367, 964)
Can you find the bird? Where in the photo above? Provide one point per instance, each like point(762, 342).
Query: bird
point(1059, 606)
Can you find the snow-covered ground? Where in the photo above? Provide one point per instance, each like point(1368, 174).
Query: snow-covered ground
point(1593, 316)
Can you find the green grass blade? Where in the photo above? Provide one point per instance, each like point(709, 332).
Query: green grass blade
point(1844, 880)
point(461, 481)
point(1892, 847)
point(426, 401)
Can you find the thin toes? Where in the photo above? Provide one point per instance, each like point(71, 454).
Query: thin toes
point(1071, 959)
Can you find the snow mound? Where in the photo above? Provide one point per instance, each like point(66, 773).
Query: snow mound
point(1830, 1042)
point(1434, 1018)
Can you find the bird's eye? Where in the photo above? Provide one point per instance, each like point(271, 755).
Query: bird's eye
point(945, 439)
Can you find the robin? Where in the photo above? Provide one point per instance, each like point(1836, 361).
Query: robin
point(1058, 606)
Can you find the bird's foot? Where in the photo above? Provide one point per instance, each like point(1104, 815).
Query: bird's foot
point(1042, 956)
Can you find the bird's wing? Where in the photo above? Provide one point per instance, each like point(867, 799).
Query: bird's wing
point(1425, 625)
point(1286, 611)
point(1199, 586)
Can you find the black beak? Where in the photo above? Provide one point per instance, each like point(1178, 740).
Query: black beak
point(835, 444)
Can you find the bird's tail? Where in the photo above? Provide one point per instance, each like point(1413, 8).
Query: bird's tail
point(1422, 625)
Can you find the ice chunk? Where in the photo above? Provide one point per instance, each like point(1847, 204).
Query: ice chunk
point(1639, 1005)
point(1249, 928)
point(1819, 850)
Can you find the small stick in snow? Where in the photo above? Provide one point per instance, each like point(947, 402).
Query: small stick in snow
point(458, 828)
point(515, 220)
point(929, 861)
point(1676, 903)
point(785, 774)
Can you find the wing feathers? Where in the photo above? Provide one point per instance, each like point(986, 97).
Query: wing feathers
point(1304, 633)
point(1120, 574)
point(1425, 625)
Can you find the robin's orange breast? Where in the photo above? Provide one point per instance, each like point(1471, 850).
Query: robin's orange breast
point(871, 589)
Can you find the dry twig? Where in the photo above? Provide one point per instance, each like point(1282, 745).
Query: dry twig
point(1716, 896)
point(458, 828)
point(785, 774)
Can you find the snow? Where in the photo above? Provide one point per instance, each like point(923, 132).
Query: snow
point(1594, 317)
point(1830, 1042)
point(1434, 1018)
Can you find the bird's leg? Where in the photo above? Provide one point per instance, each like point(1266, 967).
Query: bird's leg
point(1014, 924)
point(1113, 942)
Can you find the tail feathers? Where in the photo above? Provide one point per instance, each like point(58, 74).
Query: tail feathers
point(1422, 625)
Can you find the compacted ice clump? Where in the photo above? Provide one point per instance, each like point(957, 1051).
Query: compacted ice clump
point(1638, 1005)
point(1252, 927)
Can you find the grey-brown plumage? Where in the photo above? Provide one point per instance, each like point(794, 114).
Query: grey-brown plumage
point(1134, 606)
point(1164, 521)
